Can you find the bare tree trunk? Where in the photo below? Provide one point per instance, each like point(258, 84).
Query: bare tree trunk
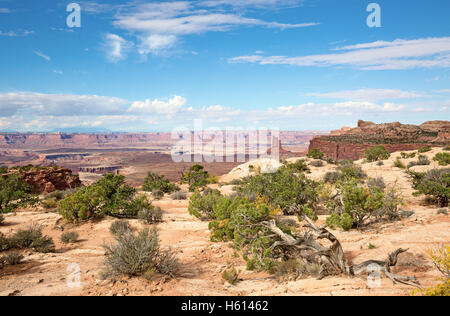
point(332, 259)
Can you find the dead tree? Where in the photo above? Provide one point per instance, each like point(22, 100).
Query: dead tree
point(332, 259)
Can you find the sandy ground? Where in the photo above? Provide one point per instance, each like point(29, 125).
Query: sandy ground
point(203, 261)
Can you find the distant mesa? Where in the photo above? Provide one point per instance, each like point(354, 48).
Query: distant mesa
point(351, 143)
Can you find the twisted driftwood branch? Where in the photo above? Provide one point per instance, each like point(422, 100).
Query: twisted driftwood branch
point(332, 259)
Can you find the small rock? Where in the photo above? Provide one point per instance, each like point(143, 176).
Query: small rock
point(442, 211)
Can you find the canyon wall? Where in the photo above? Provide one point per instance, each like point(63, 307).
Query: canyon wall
point(351, 143)
point(121, 140)
point(59, 140)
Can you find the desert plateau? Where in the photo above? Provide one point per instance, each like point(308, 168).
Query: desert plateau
point(225, 156)
point(419, 226)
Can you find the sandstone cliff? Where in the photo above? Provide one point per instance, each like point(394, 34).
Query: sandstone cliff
point(47, 179)
point(351, 143)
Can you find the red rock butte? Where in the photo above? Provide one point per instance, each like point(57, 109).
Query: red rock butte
point(351, 143)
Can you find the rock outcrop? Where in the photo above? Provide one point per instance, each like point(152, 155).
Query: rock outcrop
point(351, 143)
point(48, 179)
point(101, 169)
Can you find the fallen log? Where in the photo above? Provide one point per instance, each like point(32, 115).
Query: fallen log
point(332, 259)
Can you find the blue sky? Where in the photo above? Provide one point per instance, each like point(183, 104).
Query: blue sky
point(154, 66)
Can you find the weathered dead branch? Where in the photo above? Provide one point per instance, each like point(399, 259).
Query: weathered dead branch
point(332, 259)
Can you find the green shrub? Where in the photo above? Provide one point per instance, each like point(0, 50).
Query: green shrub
point(177, 196)
point(2, 218)
point(446, 148)
point(332, 177)
point(244, 222)
point(158, 182)
point(151, 214)
point(434, 184)
point(59, 195)
point(4, 243)
point(49, 203)
point(15, 193)
point(424, 149)
point(43, 244)
point(376, 182)
point(12, 258)
point(136, 205)
point(399, 164)
point(345, 221)
point(120, 227)
point(203, 205)
point(3, 170)
point(235, 181)
point(407, 155)
point(360, 202)
point(24, 238)
point(376, 153)
point(69, 237)
point(423, 161)
point(137, 255)
point(32, 238)
point(345, 172)
point(315, 153)
point(345, 162)
point(283, 189)
point(241, 221)
point(317, 163)
point(350, 172)
point(298, 166)
point(231, 276)
point(108, 196)
point(221, 226)
point(254, 238)
point(157, 194)
point(442, 158)
point(197, 177)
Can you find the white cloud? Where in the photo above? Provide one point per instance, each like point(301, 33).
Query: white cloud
point(115, 47)
point(369, 94)
point(38, 112)
point(169, 108)
point(253, 3)
point(5, 10)
point(42, 55)
point(16, 33)
point(59, 104)
point(58, 72)
point(159, 25)
point(156, 44)
point(380, 55)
